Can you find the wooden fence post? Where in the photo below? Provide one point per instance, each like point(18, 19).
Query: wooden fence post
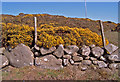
point(35, 29)
point(102, 33)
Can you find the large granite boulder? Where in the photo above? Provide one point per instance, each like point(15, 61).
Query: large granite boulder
point(3, 61)
point(97, 51)
point(71, 49)
point(59, 52)
point(48, 62)
point(85, 50)
point(20, 56)
point(111, 48)
point(47, 51)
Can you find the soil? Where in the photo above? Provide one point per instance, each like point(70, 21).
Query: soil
point(67, 73)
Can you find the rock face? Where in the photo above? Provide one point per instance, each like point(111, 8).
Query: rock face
point(85, 50)
point(59, 51)
point(47, 51)
point(20, 56)
point(48, 62)
point(97, 52)
point(4, 61)
point(111, 48)
point(102, 64)
point(71, 49)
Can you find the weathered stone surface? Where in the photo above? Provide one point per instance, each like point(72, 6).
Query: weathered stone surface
point(113, 66)
point(2, 49)
point(87, 58)
point(71, 49)
point(93, 59)
point(86, 62)
point(77, 58)
point(20, 56)
point(67, 56)
point(47, 51)
point(4, 61)
point(59, 51)
point(97, 51)
point(95, 62)
point(48, 62)
point(75, 54)
point(111, 48)
point(65, 62)
point(85, 50)
point(102, 64)
point(102, 58)
point(71, 61)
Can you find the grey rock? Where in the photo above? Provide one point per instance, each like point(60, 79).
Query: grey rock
point(71, 61)
point(67, 56)
point(92, 46)
point(113, 57)
point(77, 58)
point(102, 64)
point(95, 62)
point(65, 62)
point(71, 49)
point(102, 58)
point(20, 56)
point(97, 51)
point(47, 51)
point(111, 48)
point(48, 62)
point(86, 62)
point(93, 59)
point(37, 54)
point(2, 50)
point(84, 68)
point(59, 51)
point(113, 66)
point(4, 61)
point(85, 50)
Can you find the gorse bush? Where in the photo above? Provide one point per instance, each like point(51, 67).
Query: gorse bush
point(49, 35)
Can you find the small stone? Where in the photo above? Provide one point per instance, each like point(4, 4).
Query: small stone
point(67, 56)
point(86, 62)
point(65, 62)
point(4, 61)
point(111, 48)
point(113, 66)
point(113, 57)
point(59, 52)
point(102, 64)
point(71, 49)
point(47, 51)
point(102, 58)
point(83, 68)
point(93, 59)
point(36, 54)
point(85, 50)
point(75, 54)
point(77, 58)
point(71, 61)
point(95, 62)
point(87, 58)
point(2, 50)
point(97, 51)
point(92, 46)
point(77, 63)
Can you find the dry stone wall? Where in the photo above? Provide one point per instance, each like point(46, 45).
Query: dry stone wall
point(59, 57)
